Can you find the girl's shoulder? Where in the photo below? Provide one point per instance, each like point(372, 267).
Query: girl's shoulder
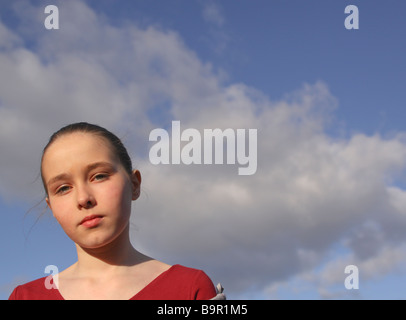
point(39, 289)
point(179, 282)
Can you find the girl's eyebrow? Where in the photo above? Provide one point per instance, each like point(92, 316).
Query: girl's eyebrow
point(99, 164)
point(92, 166)
point(62, 176)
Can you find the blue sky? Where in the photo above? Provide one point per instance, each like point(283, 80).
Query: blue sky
point(257, 43)
point(328, 104)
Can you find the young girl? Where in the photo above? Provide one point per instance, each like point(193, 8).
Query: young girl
point(89, 184)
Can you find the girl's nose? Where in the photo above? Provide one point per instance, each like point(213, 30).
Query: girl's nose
point(85, 198)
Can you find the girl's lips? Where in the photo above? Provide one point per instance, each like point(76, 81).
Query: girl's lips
point(91, 221)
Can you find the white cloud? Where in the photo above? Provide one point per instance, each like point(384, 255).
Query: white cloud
point(212, 14)
point(8, 39)
point(218, 36)
point(310, 191)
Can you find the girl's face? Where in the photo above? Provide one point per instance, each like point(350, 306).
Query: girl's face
point(89, 191)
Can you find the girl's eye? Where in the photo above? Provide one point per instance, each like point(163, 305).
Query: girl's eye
point(100, 177)
point(62, 190)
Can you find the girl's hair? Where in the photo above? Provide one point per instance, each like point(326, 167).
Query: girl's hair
point(115, 142)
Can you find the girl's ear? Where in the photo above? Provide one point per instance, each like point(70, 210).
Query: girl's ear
point(48, 203)
point(49, 206)
point(136, 184)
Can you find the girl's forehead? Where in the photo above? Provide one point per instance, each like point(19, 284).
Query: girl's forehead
point(77, 139)
point(78, 147)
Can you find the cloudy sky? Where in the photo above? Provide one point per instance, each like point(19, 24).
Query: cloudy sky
point(328, 104)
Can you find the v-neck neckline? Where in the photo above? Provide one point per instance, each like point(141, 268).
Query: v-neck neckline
point(134, 297)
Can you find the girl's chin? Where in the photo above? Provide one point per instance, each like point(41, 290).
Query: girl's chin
point(100, 237)
point(97, 241)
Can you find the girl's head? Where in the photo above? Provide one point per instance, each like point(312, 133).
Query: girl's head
point(89, 183)
point(115, 143)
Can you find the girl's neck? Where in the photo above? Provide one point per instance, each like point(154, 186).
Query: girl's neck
point(114, 257)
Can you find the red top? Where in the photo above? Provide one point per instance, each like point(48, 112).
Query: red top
point(176, 283)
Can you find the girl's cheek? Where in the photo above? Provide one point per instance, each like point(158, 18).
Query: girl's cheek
point(61, 220)
point(61, 214)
